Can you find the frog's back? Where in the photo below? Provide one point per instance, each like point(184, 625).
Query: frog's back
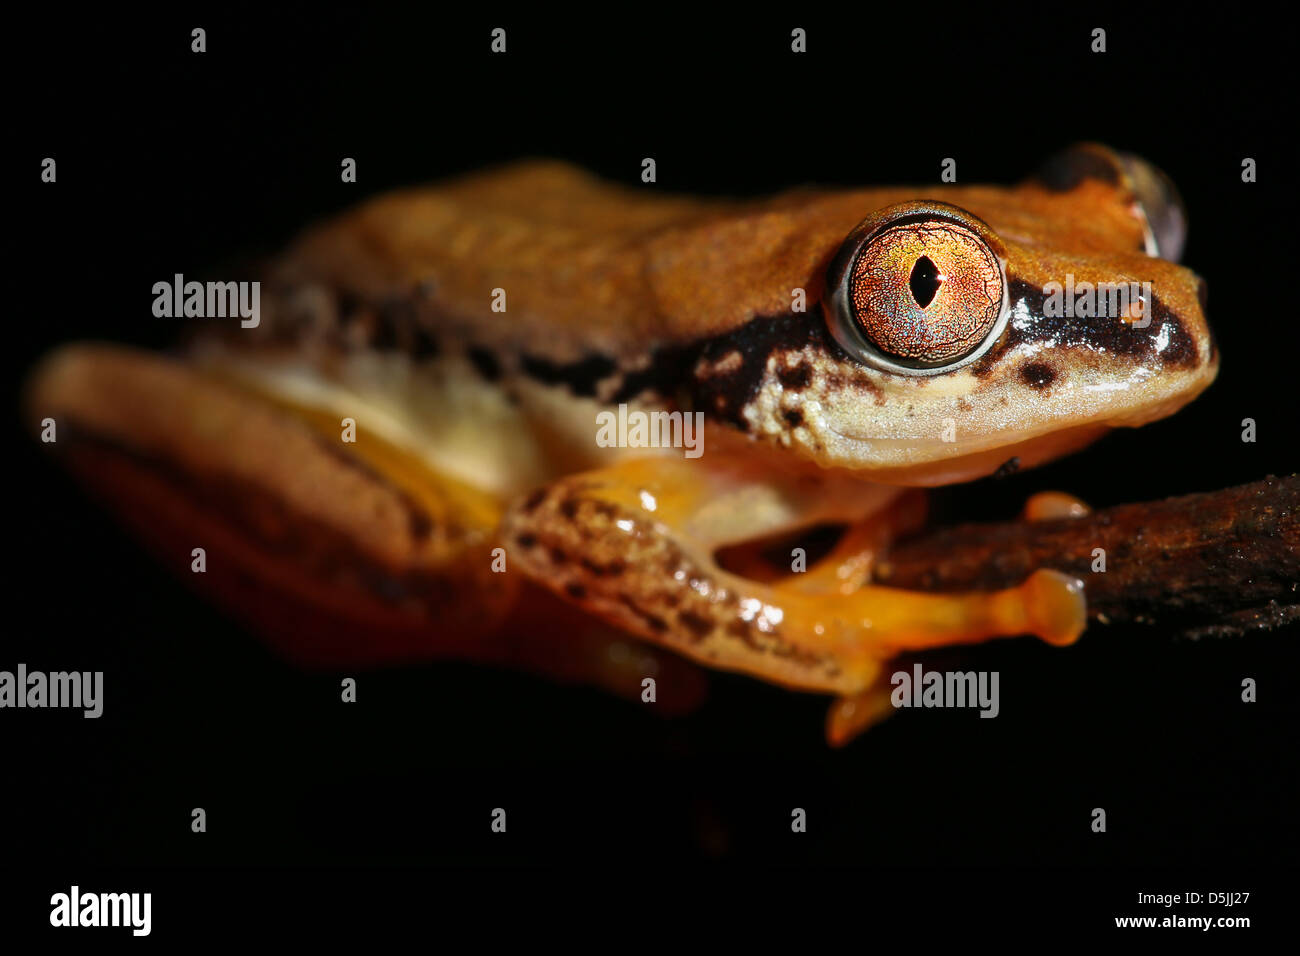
point(585, 266)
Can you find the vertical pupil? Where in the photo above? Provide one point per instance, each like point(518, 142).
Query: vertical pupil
point(924, 282)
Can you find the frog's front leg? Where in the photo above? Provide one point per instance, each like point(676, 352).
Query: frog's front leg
point(635, 544)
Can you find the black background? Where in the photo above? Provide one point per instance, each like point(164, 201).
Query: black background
point(170, 161)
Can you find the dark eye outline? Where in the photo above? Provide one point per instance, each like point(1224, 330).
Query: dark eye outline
point(840, 316)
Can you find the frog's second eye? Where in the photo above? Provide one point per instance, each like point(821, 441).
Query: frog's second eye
point(918, 289)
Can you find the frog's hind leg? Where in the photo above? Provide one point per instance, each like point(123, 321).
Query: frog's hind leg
point(341, 553)
point(636, 544)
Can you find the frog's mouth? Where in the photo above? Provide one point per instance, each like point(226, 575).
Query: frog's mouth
point(1029, 453)
point(975, 429)
point(939, 462)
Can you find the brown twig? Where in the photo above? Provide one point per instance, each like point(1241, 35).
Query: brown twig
point(1218, 563)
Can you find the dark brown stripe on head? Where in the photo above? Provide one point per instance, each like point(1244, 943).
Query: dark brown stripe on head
point(344, 320)
point(485, 363)
point(581, 376)
point(1108, 335)
point(425, 345)
point(734, 364)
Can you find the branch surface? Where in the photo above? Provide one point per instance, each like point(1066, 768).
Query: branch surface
point(1211, 564)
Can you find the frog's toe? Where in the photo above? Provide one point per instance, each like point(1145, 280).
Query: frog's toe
point(856, 713)
point(1055, 606)
point(1051, 505)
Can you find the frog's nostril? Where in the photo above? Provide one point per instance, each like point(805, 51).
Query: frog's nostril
point(1161, 205)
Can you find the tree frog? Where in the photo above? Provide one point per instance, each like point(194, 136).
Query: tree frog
point(523, 415)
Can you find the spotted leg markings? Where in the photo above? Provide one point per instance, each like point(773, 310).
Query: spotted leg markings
point(622, 567)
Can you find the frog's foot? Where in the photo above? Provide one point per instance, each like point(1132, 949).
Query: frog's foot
point(1050, 505)
point(1048, 604)
point(857, 713)
point(635, 544)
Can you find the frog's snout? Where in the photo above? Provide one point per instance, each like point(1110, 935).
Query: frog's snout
point(1160, 206)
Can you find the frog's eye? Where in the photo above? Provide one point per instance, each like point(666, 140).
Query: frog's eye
point(918, 289)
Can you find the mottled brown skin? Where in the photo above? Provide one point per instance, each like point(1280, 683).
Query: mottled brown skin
point(633, 576)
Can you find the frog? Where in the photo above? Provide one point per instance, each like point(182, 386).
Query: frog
point(401, 459)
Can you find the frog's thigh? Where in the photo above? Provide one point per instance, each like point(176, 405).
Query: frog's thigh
point(342, 553)
point(635, 543)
